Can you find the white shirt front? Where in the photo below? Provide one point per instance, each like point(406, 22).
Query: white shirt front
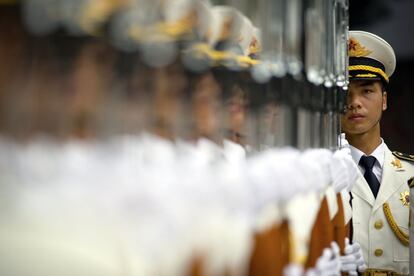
point(378, 153)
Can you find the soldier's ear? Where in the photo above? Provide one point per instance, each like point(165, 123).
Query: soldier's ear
point(384, 100)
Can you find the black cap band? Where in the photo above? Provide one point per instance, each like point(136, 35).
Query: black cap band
point(366, 68)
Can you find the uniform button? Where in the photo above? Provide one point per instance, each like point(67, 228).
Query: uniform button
point(378, 224)
point(378, 252)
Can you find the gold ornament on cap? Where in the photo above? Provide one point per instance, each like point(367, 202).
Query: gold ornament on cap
point(355, 49)
point(254, 46)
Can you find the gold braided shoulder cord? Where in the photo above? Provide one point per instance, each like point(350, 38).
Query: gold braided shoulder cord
point(369, 68)
point(403, 237)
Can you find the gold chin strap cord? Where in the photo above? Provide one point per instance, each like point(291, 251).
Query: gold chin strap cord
point(403, 237)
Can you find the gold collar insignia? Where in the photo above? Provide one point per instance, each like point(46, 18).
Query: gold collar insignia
point(396, 163)
point(405, 198)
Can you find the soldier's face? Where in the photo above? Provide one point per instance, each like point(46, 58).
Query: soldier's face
point(365, 104)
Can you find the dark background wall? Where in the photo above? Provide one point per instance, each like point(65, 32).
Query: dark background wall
point(393, 20)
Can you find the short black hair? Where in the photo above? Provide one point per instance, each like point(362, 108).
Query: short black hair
point(384, 86)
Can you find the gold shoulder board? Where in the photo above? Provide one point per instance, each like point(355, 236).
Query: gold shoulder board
point(403, 156)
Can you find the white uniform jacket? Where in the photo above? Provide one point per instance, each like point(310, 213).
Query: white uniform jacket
point(381, 247)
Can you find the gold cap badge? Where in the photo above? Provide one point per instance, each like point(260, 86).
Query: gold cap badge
point(254, 47)
point(355, 49)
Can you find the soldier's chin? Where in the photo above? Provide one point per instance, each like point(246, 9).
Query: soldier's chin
point(353, 130)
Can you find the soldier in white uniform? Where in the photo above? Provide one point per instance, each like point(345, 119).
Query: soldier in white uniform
point(380, 195)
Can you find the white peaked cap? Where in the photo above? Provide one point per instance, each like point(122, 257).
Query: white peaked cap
point(367, 45)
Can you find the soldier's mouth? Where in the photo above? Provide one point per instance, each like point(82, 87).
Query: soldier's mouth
point(355, 117)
